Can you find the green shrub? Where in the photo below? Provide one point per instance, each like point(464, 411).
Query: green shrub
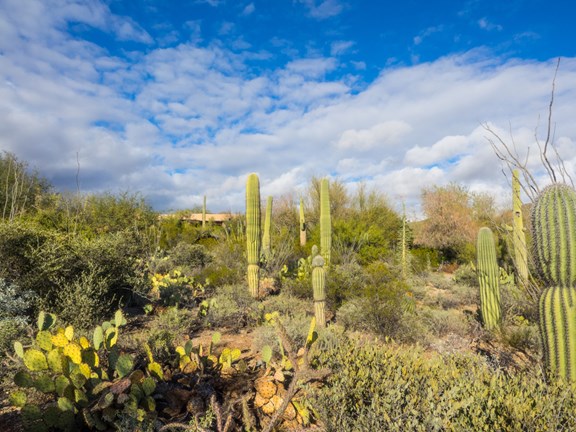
point(377, 388)
point(16, 309)
point(232, 306)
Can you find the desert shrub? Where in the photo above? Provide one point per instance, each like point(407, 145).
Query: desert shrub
point(444, 322)
point(16, 309)
point(424, 260)
point(394, 389)
point(228, 266)
point(232, 306)
point(466, 275)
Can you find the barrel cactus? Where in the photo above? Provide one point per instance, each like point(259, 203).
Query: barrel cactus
point(488, 278)
point(554, 250)
point(253, 233)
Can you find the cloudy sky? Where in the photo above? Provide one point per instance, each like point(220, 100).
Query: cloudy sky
point(183, 98)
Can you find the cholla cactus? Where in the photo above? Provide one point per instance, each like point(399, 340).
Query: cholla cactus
point(554, 234)
point(253, 233)
point(488, 277)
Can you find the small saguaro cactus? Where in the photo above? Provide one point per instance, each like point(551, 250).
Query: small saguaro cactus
point(488, 278)
point(319, 288)
point(253, 233)
point(325, 223)
point(554, 250)
point(267, 224)
point(519, 237)
point(302, 224)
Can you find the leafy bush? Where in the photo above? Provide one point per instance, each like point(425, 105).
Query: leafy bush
point(394, 389)
point(16, 308)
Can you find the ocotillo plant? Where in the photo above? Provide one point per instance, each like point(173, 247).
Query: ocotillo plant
point(325, 223)
point(488, 278)
point(554, 236)
point(319, 288)
point(266, 247)
point(519, 237)
point(253, 233)
point(302, 224)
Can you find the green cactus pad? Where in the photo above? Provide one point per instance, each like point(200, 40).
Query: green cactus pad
point(80, 397)
point(19, 349)
point(74, 352)
point(110, 337)
point(156, 370)
point(44, 340)
point(65, 404)
point(30, 413)
point(23, 379)
point(57, 361)
point(44, 383)
point(77, 379)
point(119, 319)
point(124, 365)
point(60, 340)
point(51, 416)
point(45, 320)
point(148, 386)
point(105, 400)
point(98, 337)
point(61, 383)
point(90, 357)
point(35, 360)
point(18, 398)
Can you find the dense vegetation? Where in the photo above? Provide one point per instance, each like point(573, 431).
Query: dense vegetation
point(405, 347)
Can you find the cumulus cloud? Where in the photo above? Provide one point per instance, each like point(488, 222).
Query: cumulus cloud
point(191, 119)
point(324, 8)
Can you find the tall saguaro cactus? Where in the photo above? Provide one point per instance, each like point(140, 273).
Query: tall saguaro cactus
point(325, 223)
point(554, 237)
point(519, 237)
point(266, 244)
point(253, 233)
point(319, 288)
point(302, 224)
point(204, 213)
point(488, 278)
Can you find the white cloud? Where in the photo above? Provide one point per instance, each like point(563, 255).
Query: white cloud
point(484, 24)
point(324, 9)
point(180, 122)
point(340, 47)
point(248, 10)
point(384, 134)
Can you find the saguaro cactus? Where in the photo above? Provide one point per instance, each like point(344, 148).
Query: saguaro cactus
point(253, 233)
point(302, 224)
point(319, 288)
point(325, 223)
point(488, 278)
point(554, 236)
point(519, 237)
point(204, 213)
point(266, 245)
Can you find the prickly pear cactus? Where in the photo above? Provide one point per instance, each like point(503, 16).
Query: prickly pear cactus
point(488, 278)
point(554, 237)
point(253, 235)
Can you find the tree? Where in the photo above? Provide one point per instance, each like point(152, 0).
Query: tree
point(453, 218)
point(20, 189)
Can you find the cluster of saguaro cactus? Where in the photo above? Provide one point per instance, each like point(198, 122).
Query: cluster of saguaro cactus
point(319, 287)
point(253, 239)
point(488, 278)
point(325, 223)
point(554, 249)
point(302, 224)
point(267, 224)
point(518, 235)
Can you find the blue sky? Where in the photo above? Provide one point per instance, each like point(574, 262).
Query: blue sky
point(180, 99)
